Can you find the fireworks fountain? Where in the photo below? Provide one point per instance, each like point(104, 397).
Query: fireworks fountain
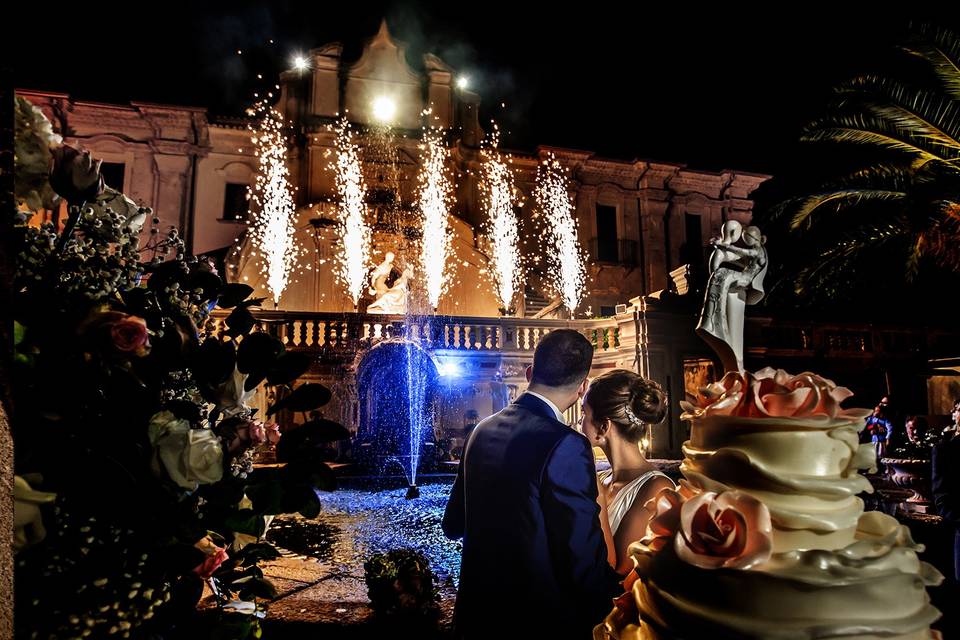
point(498, 199)
point(435, 199)
point(272, 230)
point(354, 255)
point(565, 259)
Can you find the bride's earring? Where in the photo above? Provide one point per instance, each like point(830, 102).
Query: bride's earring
point(601, 439)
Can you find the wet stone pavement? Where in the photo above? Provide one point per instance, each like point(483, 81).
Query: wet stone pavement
point(319, 579)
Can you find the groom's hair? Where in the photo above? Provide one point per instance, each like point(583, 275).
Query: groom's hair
point(562, 359)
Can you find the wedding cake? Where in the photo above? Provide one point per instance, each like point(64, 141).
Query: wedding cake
point(765, 537)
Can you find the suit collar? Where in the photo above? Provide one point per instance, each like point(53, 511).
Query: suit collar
point(536, 405)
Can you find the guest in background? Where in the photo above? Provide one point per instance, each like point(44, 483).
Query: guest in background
point(878, 427)
point(951, 430)
point(916, 429)
point(946, 489)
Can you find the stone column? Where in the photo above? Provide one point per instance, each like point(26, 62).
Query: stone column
point(170, 201)
point(439, 91)
point(652, 218)
point(676, 230)
point(469, 119)
point(325, 88)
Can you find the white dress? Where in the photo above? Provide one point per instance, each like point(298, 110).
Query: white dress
point(624, 499)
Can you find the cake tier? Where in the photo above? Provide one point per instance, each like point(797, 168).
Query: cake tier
point(874, 588)
point(804, 470)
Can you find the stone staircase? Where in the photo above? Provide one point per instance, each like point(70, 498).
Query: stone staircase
point(535, 302)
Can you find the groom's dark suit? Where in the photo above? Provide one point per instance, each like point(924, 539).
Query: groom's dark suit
point(525, 504)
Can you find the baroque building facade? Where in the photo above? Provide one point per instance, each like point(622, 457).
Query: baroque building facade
point(644, 227)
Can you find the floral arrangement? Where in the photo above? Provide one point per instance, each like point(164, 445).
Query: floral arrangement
point(401, 582)
point(132, 422)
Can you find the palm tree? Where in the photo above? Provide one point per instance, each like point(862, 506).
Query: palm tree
point(895, 211)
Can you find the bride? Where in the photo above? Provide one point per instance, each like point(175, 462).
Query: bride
point(616, 409)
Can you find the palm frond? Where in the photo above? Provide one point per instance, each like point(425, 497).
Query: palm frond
point(858, 135)
point(940, 49)
point(915, 257)
point(842, 254)
point(882, 175)
point(837, 201)
point(915, 114)
point(899, 214)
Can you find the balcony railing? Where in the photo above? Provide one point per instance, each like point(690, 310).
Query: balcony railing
point(316, 331)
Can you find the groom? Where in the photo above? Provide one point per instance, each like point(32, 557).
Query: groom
point(525, 504)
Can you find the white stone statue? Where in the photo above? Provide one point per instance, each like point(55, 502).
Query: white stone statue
point(738, 265)
point(730, 233)
point(394, 300)
point(378, 277)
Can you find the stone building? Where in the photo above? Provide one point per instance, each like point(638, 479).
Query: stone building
point(643, 225)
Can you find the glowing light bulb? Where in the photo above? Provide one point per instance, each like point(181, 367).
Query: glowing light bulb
point(384, 109)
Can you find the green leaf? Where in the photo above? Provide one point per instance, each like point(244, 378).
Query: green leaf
point(214, 362)
point(266, 491)
point(227, 493)
point(240, 322)
point(258, 352)
point(233, 294)
point(253, 380)
point(258, 588)
point(256, 552)
point(288, 367)
point(306, 397)
point(235, 626)
point(218, 539)
point(310, 470)
point(321, 431)
point(245, 521)
point(312, 506)
point(252, 302)
point(19, 333)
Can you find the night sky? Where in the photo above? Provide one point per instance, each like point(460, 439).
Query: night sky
point(712, 88)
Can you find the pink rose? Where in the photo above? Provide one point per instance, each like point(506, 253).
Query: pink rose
point(242, 433)
point(256, 434)
point(719, 397)
point(116, 332)
point(209, 566)
point(272, 430)
point(130, 335)
point(664, 510)
point(727, 530)
point(772, 393)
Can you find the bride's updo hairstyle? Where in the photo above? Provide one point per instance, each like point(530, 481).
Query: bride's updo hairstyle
point(628, 400)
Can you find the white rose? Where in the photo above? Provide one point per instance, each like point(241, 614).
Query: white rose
point(121, 204)
point(27, 521)
point(191, 457)
point(232, 398)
